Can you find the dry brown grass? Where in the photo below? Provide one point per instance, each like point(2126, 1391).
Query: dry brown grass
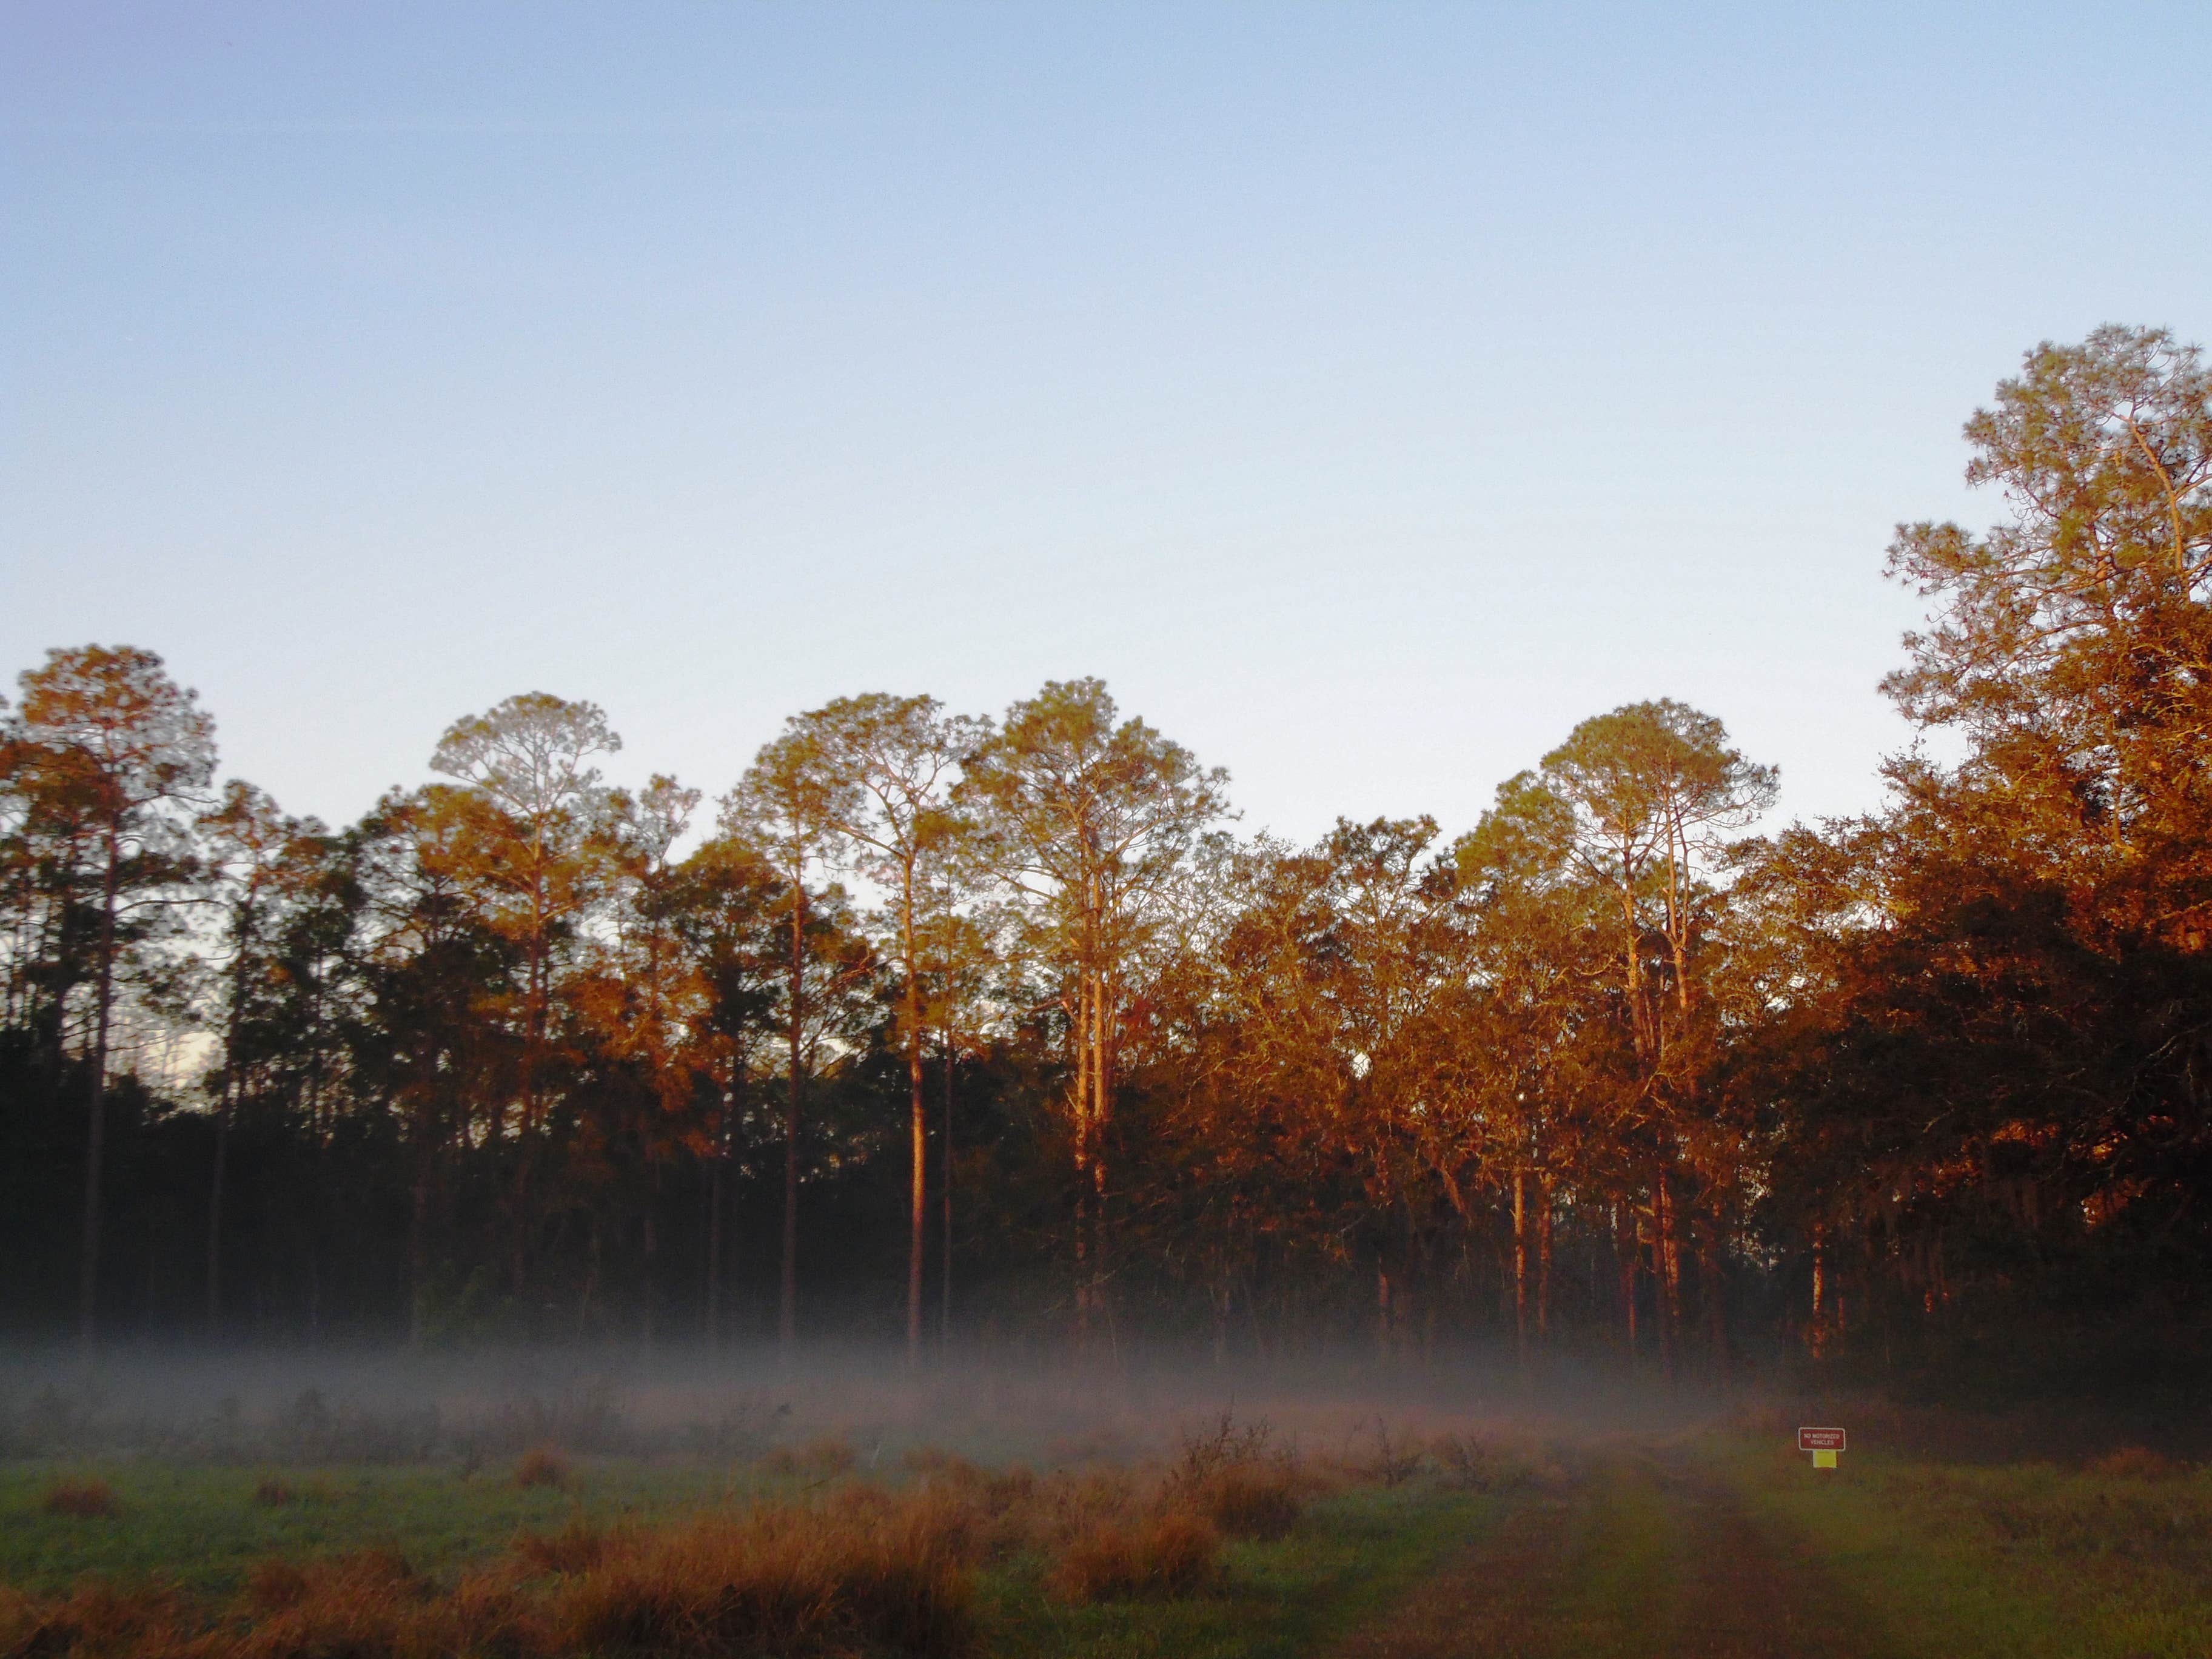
point(542, 1465)
point(854, 1568)
point(1173, 1552)
point(372, 1606)
point(274, 1494)
point(96, 1618)
point(577, 1547)
point(1389, 1457)
point(1491, 1463)
point(867, 1572)
point(1237, 1478)
point(821, 1459)
point(884, 1574)
point(2138, 1463)
point(1261, 1501)
point(87, 1500)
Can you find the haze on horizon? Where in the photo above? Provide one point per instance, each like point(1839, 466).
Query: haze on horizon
point(1367, 395)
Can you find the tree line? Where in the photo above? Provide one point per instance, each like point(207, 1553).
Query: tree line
point(995, 1029)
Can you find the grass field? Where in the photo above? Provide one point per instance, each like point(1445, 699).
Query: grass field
point(1352, 1552)
point(1717, 1541)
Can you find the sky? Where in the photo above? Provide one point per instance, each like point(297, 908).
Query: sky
point(1367, 392)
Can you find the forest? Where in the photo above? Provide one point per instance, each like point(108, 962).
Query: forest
point(997, 1032)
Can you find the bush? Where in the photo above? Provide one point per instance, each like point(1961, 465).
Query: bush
point(94, 1618)
point(1239, 1481)
point(371, 1606)
point(1475, 1464)
point(577, 1547)
point(781, 1582)
point(88, 1499)
point(1397, 1458)
point(1261, 1501)
point(1173, 1552)
point(274, 1494)
point(542, 1465)
point(822, 1459)
point(2137, 1463)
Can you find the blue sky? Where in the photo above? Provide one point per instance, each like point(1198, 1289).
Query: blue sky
point(1368, 392)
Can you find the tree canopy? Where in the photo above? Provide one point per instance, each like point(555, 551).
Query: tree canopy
point(1626, 1068)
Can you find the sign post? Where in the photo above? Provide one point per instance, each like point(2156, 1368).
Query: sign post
point(1823, 1443)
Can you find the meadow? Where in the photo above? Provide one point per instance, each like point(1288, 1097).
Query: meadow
point(1043, 1516)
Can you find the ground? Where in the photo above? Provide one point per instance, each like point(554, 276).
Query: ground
point(1716, 1542)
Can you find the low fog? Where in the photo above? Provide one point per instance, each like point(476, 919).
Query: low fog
point(287, 1406)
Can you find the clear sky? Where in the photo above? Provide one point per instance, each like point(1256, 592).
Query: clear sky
point(1368, 392)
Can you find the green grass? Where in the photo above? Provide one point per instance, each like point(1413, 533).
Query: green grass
point(1352, 1556)
point(2020, 1561)
point(1626, 1567)
point(200, 1526)
point(1918, 1556)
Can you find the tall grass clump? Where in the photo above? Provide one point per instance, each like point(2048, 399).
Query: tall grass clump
point(91, 1500)
point(577, 1547)
point(95, 1618)
point(868, 1572)
point(542, 1465)
point(892, 1576)
point(1484, 1463)
point(1238, 1481)
point(1172, 1552)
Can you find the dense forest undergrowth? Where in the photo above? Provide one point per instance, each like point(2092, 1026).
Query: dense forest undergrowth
point(992, 1034)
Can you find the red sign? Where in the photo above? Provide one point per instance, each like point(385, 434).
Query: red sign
point(1820, 1440)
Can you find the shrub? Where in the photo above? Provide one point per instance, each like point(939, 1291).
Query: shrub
point(542, 1465)
point(275, 1585)
point(1173, 1552)
point(371, 1605)
point(868, 1571)
point(1396, 1458)
point(577, 1547)
point(782, 1582)
point(1475, 1464)
point(2137, 1463)
point(1249, 1500)
point(823, 1458)
point(1237, 1480)
point(96, 1617)
point(274, 1494)
point(88, 1499)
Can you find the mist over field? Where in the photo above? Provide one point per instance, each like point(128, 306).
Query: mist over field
point(236, 1404)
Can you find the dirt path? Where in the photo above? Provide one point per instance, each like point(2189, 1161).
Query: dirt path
point(1641, 1557)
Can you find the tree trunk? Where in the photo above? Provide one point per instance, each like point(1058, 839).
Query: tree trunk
point(1624, 1248)
point(649, 1247)
point(1715, 1309)
point(224, 1108)
point(1521, 1268)
point(787, 1317)
point(917, 1208)
point(96, 1128)
point(944, 1188)
point(1100, 1111)
point(716, 1202)
point(1080, 1034)
point(1544, 1263)
point(418, 1252)
point(215, 1213)
point(1382, 1310)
